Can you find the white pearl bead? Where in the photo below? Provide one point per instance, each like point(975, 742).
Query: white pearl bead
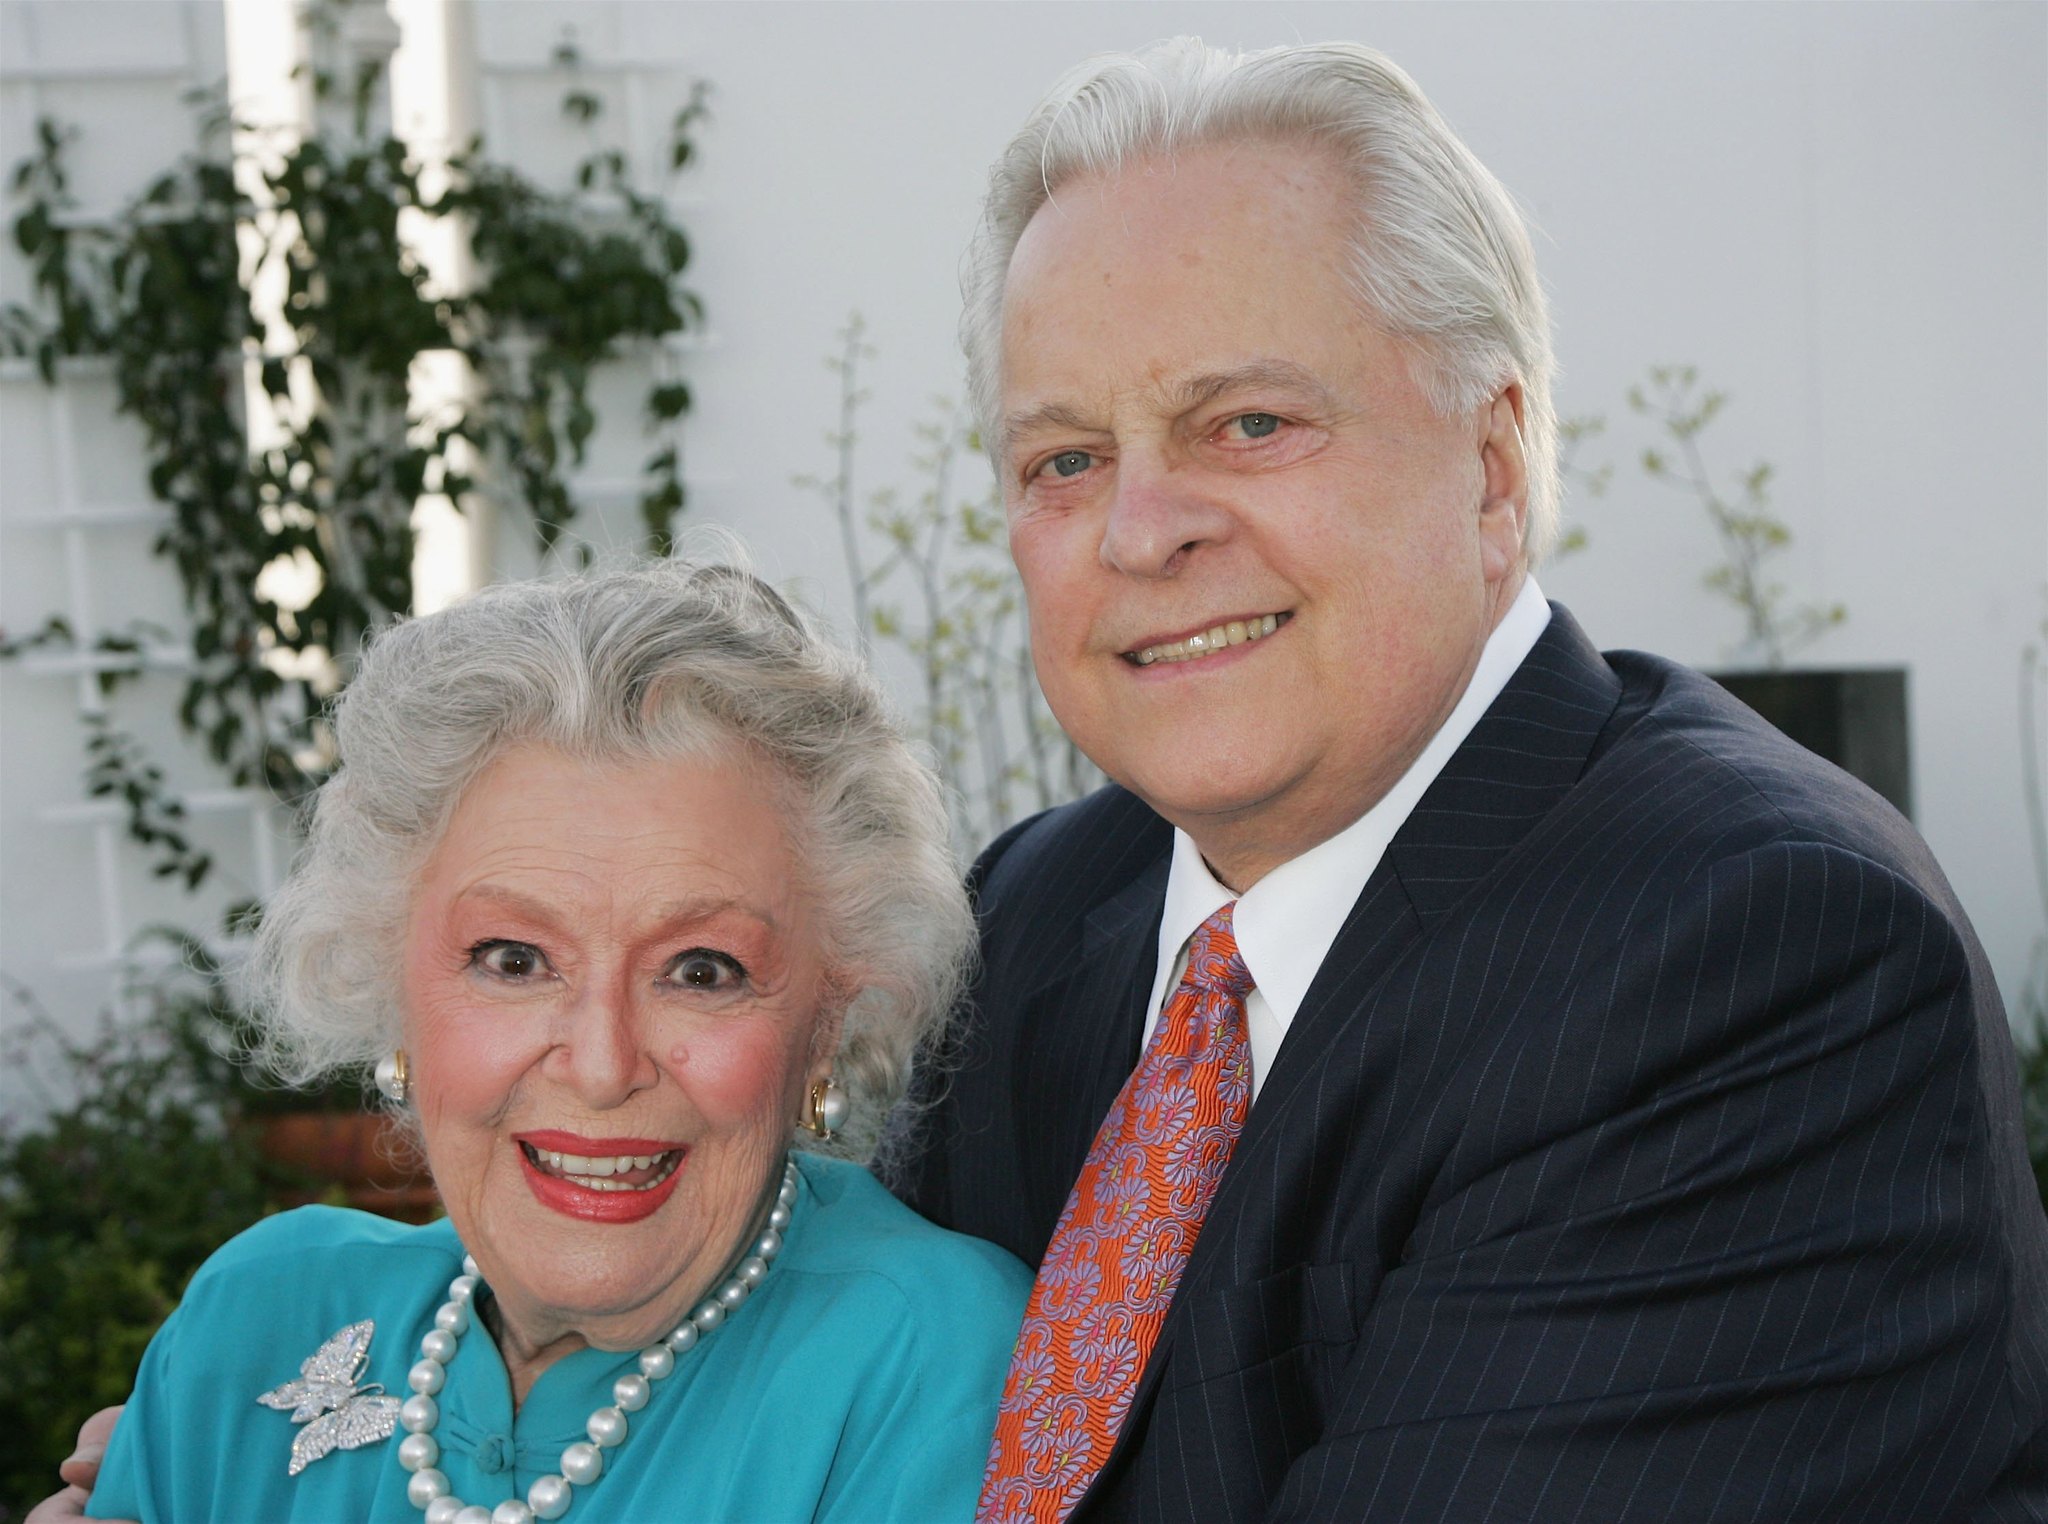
point(630, 1393)
point(469, 1265)
point(753, 1270)
point(655, 1363)
point(416, 1452)
point(549, 1497)
point(462, 1288)
point(512, 1511)
point(683, 1338)
point(475, 1513)
point(425, 1486)
point(778, 1217)
point(768, 1245)
point(426, 1377)
point(439, 1344)
point(731, 1294)
point(452, 1317)
point(419, 1413)
point(582, 1463)
point(708, 1316)
point(443, 1510)
point(606, 1427)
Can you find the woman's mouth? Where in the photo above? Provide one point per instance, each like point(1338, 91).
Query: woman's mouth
point(606, 1172)
point(600, 1179)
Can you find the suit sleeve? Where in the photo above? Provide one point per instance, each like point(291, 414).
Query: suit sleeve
point(1724, 1248)
point(915, 1160)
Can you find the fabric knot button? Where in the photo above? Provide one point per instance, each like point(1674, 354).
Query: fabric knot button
point(1214, 962)
point(494, 1454)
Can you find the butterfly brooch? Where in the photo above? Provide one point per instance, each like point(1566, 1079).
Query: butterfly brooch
point(337, 1413)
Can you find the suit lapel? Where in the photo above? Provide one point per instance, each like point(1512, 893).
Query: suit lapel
point(1529, 748)
point(1081, 1043)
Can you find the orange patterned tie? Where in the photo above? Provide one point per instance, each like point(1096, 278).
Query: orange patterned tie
point(1122, 1242)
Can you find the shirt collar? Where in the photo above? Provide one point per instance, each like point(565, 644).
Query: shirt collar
point(1286, 923)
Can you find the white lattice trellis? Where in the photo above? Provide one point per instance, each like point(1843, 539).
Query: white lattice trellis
point(76, 527)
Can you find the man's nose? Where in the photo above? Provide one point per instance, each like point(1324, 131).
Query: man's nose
point(1158, 514)
point(606, 1057)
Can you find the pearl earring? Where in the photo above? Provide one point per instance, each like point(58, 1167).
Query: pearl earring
point(394, 1078)
point(826, 1108)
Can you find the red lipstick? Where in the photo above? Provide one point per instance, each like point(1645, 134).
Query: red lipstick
point(560, 1193)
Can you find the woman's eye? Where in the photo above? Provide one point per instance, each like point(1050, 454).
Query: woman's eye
point(703, 969)
point(1068, 463)
point(1255, 425)
point(509, 960)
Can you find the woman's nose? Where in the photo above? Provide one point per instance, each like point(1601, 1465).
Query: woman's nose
point(606, 1056)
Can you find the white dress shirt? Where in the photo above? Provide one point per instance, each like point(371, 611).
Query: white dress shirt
point(1286, 922)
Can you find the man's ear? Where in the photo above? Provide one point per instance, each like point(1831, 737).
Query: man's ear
point(1504, 491)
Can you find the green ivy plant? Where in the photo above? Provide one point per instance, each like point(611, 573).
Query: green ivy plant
point(1749, 532)
point(163, 293)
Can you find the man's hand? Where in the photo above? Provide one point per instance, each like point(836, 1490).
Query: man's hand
point(80, 1470)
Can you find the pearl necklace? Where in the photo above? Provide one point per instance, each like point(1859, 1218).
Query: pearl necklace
point(549, 1497)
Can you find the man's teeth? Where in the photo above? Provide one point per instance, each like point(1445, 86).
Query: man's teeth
point(1235, 633)
point(595, 1174)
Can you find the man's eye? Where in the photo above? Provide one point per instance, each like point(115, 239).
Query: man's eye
point(1257, 425)
point(509, 960)
point(1069, 463)
point(702, 969)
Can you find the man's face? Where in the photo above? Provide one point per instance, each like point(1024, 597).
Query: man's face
point(1203, 433)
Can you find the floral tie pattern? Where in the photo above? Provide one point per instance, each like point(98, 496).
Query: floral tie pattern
point(1122, 1241)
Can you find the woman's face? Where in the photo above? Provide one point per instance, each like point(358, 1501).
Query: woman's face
point(612, 993)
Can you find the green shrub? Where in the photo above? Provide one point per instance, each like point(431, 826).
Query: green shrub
point(107, 1206)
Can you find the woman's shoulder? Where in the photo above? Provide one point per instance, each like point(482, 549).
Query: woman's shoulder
point(858, 1230)
point(318, 1243)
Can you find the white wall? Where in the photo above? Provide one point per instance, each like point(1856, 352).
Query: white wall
point(1840, 213)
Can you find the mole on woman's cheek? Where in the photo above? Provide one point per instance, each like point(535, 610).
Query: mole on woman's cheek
point(679, 1056)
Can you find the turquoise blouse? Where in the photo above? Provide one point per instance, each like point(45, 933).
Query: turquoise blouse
point(858, 1383)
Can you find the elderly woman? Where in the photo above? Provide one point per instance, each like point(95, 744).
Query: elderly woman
point(625, 884)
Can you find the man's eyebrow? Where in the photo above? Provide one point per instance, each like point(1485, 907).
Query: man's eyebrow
point(1049, 415)
point(1185, 396)
point(1180, 396)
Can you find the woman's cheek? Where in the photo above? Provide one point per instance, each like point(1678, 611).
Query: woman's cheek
point(468, 1055)
point(746, 1067)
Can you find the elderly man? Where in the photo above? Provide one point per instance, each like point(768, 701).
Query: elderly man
point(1590, 1105)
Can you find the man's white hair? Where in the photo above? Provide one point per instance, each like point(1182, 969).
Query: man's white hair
point(1441, 256)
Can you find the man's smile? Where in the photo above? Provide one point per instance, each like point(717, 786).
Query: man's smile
point(1202, 643)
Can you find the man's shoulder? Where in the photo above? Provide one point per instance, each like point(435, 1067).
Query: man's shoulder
point(1683, 755)
point(1082, 852)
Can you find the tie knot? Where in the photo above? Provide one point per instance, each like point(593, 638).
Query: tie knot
point(1214, 962)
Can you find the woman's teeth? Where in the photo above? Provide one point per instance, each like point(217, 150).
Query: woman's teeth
point(1235, 633)
point(596, 1174)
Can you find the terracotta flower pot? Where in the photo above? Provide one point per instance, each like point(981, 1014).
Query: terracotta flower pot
point(364, 1153)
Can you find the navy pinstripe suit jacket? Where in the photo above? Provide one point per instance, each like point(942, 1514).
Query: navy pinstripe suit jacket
point(1646, 1148)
